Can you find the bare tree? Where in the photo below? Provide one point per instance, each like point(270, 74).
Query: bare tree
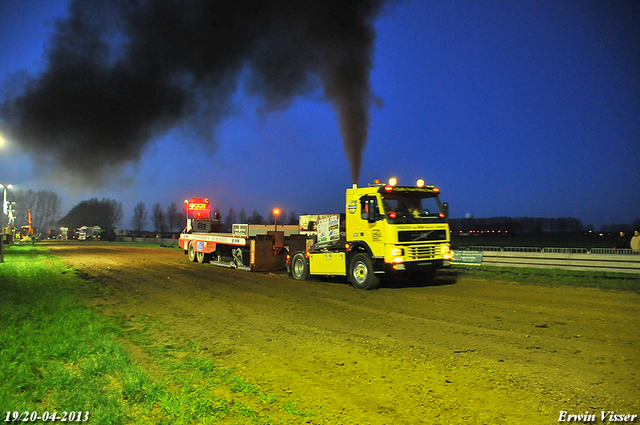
point(45, 207)
point(159, 219)
point(181, 220)
point(140, 216)
point(293, 218)
point(172, 216)
point(242, 218)
point(23, 201)
point(229, 220)
point(111, 213)
point(255, 218)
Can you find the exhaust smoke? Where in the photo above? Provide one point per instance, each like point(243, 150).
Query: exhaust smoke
point(120, 72)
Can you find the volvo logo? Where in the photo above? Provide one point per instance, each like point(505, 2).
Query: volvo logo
point(352, 207)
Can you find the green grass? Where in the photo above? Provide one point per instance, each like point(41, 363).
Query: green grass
point(58, 355)
point(554, 277)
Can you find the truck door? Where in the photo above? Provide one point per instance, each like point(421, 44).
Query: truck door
point(372, 225)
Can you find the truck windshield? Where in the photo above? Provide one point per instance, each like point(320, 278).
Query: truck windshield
point(404, 208)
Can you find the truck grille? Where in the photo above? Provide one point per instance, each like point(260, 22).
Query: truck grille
point(424, 235)
point(424, 252)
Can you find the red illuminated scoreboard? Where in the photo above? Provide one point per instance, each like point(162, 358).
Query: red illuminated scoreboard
point(198, 208)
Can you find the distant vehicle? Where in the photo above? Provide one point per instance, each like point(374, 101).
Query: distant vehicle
point(89, 233)
point(85, 233)
point(121, 232)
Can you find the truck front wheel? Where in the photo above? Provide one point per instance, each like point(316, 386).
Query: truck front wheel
point(299, 267)
point(362, 275)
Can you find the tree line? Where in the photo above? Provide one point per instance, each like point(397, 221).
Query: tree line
point(534, 225)
point(518, 225)
point(46, 209)
point(45, 206)
point(105, 212)
point(172, 218)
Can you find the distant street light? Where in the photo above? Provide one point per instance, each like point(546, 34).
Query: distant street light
point(275, 214)
point(4, 211)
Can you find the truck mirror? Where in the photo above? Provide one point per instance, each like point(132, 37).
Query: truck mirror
point(445, 210)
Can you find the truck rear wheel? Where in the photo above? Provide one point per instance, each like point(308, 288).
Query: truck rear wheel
point(299, 267)
point(191, 250)
point(361, 274)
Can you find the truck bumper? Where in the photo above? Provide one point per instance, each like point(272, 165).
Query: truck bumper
point(417, 266)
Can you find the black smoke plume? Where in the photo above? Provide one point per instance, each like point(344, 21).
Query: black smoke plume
point(121, 72)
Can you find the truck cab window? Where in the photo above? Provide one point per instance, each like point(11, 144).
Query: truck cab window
point(406, 208)
point(368, 204)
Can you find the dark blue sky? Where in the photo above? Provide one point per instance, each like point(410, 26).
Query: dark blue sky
point(511, 108)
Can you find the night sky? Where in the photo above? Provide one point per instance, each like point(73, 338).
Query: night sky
point(515, 109)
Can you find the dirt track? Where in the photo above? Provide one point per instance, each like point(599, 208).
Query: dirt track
point(460, 351)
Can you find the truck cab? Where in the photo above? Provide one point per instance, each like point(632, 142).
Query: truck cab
point(388, 229)
point(399, 226)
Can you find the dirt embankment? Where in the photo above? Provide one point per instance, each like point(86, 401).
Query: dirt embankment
point(460, 351)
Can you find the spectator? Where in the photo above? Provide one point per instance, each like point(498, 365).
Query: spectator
point(622, 242)
point(635, 242)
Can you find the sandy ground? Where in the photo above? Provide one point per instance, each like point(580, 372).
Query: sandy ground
point(459, 351)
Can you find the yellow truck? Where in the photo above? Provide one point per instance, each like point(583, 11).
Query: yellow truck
point(386, 229)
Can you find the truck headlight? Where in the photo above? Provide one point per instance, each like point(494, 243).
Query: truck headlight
point(397, 254)
point(446, 252)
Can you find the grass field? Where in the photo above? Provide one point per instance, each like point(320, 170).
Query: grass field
point(58, 355)
point(554, 277)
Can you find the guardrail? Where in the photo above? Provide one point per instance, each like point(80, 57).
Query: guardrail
point(612, 251)
point(158, 241)
point(595, 259)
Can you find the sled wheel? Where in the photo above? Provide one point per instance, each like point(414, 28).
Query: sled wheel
point(192, 252)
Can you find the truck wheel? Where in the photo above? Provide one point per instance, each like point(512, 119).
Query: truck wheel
point(362, 275)
point(192, 252)
point(299, 267)
point(202, 257)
